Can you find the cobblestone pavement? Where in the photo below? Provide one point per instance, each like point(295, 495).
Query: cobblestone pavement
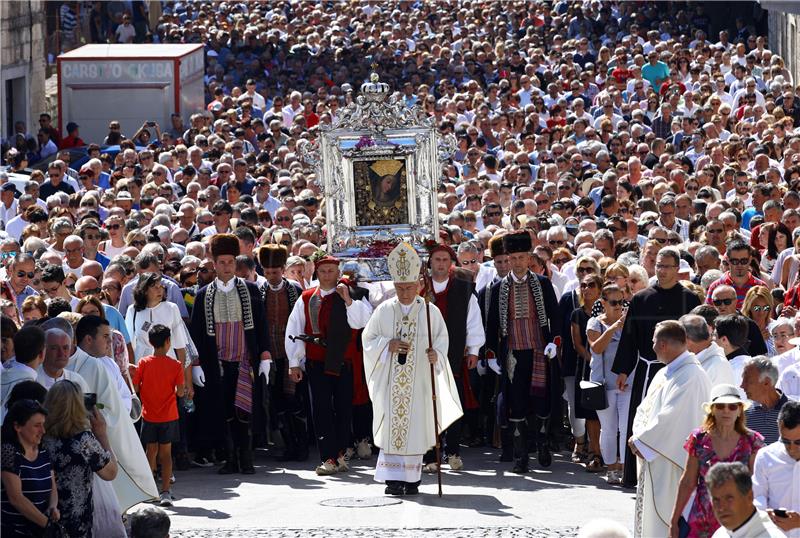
point(477, 532)
point(483, 500)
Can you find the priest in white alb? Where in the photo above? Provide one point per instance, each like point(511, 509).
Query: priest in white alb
point(397, 358)
point(671, 409)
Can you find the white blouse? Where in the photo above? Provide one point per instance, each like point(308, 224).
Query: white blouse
point(139, 322)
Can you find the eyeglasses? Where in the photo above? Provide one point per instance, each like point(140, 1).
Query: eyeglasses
point(469, 262)
point(739, 261)
point(789, 442)
point(720, 302)
point(93, 291)
point(729, 406)
point(23, 274)
point(764, 308)
point(588, 285)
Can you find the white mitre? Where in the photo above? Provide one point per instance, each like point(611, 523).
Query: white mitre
point(404, 263)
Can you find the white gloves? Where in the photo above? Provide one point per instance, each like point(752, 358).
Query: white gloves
point(550, 350)
point(494, 365)
point(263, 368)
point(198, 376)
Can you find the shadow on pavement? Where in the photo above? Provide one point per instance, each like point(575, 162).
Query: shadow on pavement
point(483, 504)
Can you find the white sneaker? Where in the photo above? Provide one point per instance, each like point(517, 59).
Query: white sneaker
point(364, 450)
point(341, 465)
point(326, 468)
point(431, 468)
point(455, 463)
point(165, 499)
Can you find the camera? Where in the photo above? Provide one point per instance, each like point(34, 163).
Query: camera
point(151, 124)
point(90, 401)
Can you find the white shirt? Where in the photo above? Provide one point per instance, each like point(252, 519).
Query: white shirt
point(776, 481)
point(476, 336)
point(8, 213)
point(358, 314)
point(47, 382)
point(138, 323)
point(758, 526)
point(15, 226)
point(789, 382)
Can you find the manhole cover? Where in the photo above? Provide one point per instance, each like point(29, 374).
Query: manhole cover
point(360, 502)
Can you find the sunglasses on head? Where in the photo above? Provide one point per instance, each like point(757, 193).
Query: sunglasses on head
point(720, 302)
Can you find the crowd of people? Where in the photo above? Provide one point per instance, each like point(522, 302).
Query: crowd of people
point(618, 265)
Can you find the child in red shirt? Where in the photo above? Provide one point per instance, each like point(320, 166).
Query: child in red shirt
point(159, 379)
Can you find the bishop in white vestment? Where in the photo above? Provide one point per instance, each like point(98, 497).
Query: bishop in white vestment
point(397, 367)
point(671, 409)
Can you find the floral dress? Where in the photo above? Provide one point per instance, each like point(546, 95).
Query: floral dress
point(702, 522)
point(75, 460)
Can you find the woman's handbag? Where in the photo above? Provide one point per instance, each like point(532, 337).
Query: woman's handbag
point(593, 395)
point(54, 529)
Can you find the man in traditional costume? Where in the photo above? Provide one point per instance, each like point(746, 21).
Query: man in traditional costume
point(667, 299)
point(454, 296)
point(287, 397)
point(672, 408)
point(322, 337)
point(521, 326)
point(135, 483)
point(397, 355)
point(232, 337)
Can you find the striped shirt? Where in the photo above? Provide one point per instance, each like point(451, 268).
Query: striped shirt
point(765, 421)
point(741, 291)
point(36, 477)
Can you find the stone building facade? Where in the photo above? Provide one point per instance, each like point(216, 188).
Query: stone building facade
point(784, 32)
point(22, 64)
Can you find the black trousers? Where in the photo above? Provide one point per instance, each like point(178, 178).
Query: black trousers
point(332, 407)
point(239, 431)
point(520, 401)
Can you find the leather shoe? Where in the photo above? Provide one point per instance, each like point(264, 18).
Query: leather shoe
point(544, 457)
point(394, 490)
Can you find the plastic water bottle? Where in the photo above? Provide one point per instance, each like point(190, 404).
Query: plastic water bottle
point(188, 405)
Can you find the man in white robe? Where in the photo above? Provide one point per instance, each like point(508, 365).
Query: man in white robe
point(135, 484)
point(397, 355)
point(671, 409)
point(700, 341)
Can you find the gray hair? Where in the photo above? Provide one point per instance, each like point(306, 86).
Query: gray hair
point(710, 276)
point(628, 259)
point(707, 251)
point(721, 473)
point(765, 368)
point(149, 522)
point(467, 247)
point(603, 528)
point(696, 328)
point(557, 231)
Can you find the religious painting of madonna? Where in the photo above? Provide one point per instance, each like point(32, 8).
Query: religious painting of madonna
point(381, 192)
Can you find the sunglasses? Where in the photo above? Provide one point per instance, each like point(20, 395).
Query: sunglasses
point(764, 308)
point(660, 241)
point(205, 270)
point(615, 302)
point(137, 244)
point(22, 274)
point(720, 302)
point(588, 285)
point(584, 270)
point(114, 226)
point(560, 261)
point(739, 261)
point(559, 242)
point(789, 442)
point(493, 214)
point(730, 406)
point(206, 222)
